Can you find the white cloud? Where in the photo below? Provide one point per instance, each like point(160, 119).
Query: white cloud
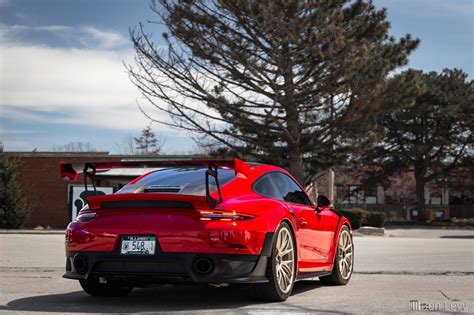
point(88, 86)
point(47, 77)
point(105, 39)
point(52, 28)
point(84, 36)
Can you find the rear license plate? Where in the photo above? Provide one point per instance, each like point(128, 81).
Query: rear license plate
point(138, 245)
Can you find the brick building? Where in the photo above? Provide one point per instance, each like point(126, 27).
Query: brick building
point(49, 195)
point(398, 200)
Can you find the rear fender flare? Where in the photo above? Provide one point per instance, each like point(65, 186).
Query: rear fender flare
point(295, 239)
point(342, 222)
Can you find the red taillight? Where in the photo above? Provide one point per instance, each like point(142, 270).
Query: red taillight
point(208, 215)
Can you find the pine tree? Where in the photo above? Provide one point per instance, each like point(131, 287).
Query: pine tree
point(14, 209)
point(293, 83)
point(433, 137)
point(147, 143)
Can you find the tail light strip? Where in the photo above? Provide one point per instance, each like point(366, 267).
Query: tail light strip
point(223, 216)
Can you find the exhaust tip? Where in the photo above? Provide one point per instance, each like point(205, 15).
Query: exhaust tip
point(203, 266)
point(80, 264)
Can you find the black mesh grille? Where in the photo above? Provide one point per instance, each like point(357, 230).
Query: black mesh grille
point(161, 204)
point(238, 267)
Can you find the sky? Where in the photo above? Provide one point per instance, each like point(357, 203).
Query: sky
point(62, 74)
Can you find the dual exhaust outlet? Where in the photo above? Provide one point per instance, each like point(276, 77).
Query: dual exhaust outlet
point(203, 266)
point(81, 264)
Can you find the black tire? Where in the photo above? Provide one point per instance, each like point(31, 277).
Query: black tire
point(337, 276)
point(93, 287)
point(271, 291)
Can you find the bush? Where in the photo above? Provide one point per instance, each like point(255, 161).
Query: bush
point(360, 217)
point(374, 218)
point(355, 217)
point(14, 209)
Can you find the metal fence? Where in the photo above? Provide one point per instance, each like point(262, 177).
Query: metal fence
point(461, 211)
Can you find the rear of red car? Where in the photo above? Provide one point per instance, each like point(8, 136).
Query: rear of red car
point(173, 225)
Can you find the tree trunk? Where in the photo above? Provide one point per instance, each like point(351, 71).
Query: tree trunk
point(296, 165)
point(420, 173)
point(292, 115)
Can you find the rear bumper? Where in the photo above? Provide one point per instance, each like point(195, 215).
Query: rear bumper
point(172, 267)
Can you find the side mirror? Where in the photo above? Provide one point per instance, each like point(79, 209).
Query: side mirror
point(323, 201)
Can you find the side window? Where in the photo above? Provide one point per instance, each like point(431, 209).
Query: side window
point(263, 186)
point(290, 190)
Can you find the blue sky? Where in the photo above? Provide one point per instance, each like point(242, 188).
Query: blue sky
point(62, 77)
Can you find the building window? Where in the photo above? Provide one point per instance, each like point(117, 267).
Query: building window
point(342, 194)
point(370, 195)
point(436, 198)
point(355, 194)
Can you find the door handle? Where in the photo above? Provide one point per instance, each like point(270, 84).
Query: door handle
point(303, 221)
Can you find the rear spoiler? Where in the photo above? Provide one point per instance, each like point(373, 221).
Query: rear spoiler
point(71, 171)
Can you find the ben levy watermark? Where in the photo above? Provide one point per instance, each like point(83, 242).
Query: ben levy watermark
point(449, 306)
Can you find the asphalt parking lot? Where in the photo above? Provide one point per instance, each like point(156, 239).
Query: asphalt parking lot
point(434, 269)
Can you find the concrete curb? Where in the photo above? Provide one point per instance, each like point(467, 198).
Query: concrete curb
point(369, 230)
point(44, 232)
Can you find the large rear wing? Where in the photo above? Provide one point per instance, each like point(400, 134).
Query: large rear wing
point(71, 171)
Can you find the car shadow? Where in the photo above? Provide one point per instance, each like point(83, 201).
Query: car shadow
point(458, 236)
point(163, 298)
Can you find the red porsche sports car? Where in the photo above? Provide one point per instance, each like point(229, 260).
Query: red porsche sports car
point(212, 221)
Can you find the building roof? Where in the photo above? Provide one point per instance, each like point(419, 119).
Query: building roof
point(57, 154)
point(124, 157)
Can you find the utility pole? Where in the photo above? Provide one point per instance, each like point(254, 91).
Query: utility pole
point(331, 185)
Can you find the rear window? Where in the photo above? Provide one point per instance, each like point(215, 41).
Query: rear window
point(185, 181)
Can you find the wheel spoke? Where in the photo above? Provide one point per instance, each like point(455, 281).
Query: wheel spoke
point(286, 269)
point(286, 277)
point(286, 252)
point(280, 281)
point(278, 244)
point(341, 253)
point(349, 265)
point(346, 268)
point(285, 243)
point(349, 261)
point(282, 244)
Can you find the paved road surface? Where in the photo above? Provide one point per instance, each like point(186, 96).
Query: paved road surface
point(432, 267)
